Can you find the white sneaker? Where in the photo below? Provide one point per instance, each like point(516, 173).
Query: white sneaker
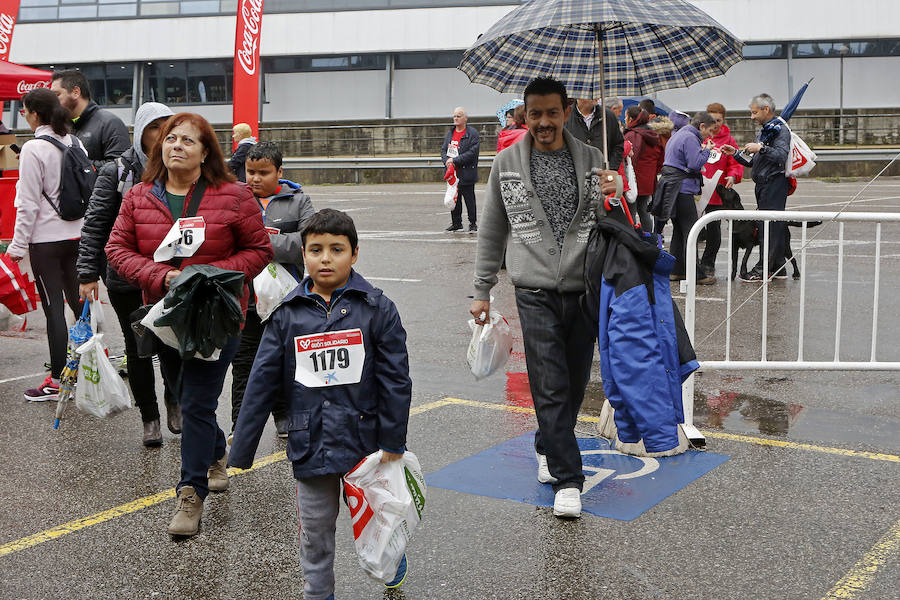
point(567, 503)
point(544, 475)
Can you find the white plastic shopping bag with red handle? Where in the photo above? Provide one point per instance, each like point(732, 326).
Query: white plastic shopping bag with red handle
point(386, 501)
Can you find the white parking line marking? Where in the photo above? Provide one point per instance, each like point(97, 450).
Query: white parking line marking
point(21, 377)
point(393, 279)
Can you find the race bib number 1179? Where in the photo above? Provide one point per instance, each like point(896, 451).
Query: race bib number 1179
point(329, 358)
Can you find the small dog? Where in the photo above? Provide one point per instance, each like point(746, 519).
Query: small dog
point(746, 235)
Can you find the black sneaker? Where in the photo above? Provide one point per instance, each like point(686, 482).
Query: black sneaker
point(473, 228)
point(753, 276)
point(454, 228)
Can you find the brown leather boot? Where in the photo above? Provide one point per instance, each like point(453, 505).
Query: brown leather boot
point(173, 417)
point(152, 434)
point(188, 510)
point(218, 475)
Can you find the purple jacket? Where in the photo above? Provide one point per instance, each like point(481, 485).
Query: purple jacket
point(684, 152)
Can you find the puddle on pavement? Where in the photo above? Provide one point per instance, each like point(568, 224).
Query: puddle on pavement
point(746, 413)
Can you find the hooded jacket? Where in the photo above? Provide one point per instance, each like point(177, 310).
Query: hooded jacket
point(104, 135)
point(508, 137)
point(685, 152)
point(332, 427)
point(645, 352)
point(615, 141)
point(235, 237)
point(238, 161)
point(727, 164)
point(466, 162)
point(113, 181)
point(648, 153)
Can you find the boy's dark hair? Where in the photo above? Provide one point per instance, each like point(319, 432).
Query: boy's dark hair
point(335, 222)
point(633, 111)
point(71, 79)
point(544, 86)
point(266, 151)
point(649, 105)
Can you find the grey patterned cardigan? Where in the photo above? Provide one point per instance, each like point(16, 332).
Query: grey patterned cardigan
point(513, 219)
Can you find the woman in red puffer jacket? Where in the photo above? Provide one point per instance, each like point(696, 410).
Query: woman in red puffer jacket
point(732, 172)
point(187, 158)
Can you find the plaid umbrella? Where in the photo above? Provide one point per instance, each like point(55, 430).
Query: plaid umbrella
point(647, 46)
point(602, 47)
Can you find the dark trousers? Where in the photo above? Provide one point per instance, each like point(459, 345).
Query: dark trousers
point(466, 193)
point(201, 382)
point(559, 348)
point(141, 377)
point(683, 219)
point(772, 195)
point(643, 203)
point(53, 264)
point(243, 362)
point(713, 241)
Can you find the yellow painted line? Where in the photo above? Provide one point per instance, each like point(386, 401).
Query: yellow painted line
point(798, 446)
point(151, 500)
point(748, 439)
point(863, 572)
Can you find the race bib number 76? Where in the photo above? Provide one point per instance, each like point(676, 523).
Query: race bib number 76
point(329, 358)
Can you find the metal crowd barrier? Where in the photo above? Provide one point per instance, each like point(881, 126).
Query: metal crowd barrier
point(689, 287)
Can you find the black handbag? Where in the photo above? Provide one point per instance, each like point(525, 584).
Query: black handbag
point(147, 342)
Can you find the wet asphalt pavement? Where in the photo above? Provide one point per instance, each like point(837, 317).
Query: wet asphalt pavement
point(807, 506)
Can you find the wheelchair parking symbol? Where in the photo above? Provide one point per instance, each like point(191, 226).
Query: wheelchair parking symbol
point(616, 485)
point(599, 474)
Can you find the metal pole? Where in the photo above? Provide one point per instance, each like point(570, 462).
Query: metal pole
point(598, 29)
point(790, 69)
point(389, 87)
point(841, 117)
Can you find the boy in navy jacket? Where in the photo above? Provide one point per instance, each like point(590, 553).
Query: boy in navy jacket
point(337, 349)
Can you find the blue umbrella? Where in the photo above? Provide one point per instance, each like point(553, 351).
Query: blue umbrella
point(602, 47)
point(661, 109)
point(791, 106)
point(501, 114)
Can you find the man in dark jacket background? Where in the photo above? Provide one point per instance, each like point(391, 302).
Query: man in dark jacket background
point(461, 146)
point(586, 124)
point(104, 135)
point(767, 157)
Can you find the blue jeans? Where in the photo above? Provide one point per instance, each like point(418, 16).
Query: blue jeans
point(559, 349)
point(202, 440)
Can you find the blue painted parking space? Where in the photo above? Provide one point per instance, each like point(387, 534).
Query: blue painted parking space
point(616, 486)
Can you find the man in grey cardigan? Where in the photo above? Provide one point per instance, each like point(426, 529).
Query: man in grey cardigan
point(540, 209)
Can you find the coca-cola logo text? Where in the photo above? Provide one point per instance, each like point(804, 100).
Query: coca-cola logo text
point(23, 86)
point(251, 15)
point(7, 22)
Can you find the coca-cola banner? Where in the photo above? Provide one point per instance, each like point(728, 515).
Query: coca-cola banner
point(9, 10)
point(246, 63)
point(17, 80)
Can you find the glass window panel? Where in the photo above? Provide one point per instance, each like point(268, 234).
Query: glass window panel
point(228, 6)
point(428, 60)
point(203, 7)
point(208, 82)
point(159, 8)
point(77, 12)
point(38, 14)
point(118, 10)
point(763, 50)
point(165, 82)
point(119, 83)
point(39, 3)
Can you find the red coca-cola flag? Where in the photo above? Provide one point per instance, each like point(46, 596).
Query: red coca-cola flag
point(9, 10)
point(246, 63)
point(17, 80)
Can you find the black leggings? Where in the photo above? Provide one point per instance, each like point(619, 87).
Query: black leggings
point(53, 264)
point(465, 193)
point(141, 377)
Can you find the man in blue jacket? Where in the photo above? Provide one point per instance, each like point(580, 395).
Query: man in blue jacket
point(460, 149)
point(767, 157)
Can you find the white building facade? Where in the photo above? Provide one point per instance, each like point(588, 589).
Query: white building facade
point(350, 60)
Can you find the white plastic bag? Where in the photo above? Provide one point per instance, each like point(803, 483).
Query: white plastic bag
point(165, 334)
point(100, 391)
point(386, 501)
point(271, 286)
point(450, 195)
point(490, 346)
point(801, 159)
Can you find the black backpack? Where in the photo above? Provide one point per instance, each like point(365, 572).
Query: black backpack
point(76, 180)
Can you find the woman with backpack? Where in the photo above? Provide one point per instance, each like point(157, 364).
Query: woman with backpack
point(115, 179)
point(186, 182)
point(50, 241)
